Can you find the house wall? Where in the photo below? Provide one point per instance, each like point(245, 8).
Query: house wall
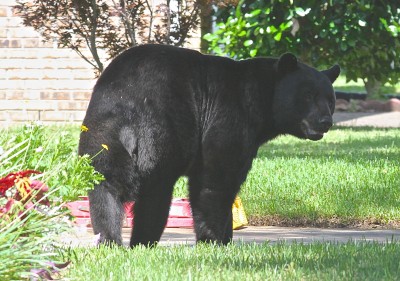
point(39, 81)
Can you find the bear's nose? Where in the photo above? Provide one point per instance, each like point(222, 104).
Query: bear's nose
point(326, 122)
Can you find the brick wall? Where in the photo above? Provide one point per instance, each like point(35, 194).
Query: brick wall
point(39, 81)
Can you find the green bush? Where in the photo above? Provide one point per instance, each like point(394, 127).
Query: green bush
point(362, 36)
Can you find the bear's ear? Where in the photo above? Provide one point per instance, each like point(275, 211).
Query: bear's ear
point(286, 63)
point(332, 73)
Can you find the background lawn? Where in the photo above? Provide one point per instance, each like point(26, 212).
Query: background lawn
point(351, 177)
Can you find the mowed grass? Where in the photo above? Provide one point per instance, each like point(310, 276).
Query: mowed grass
point(350, 177)
point(282, 261)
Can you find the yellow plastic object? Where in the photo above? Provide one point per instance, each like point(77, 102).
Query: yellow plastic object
point(238, 214)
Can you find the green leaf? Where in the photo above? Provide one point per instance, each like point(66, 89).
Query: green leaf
point(343, 46)
point(256, 12)
point(301, 12)
point(253, 14)
point(221, 25)
point(253, 53)
point(247, 43)
point(278, 36)
point(209, 37)
point(267, 11)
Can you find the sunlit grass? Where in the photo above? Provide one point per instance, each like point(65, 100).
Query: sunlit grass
point(351, 176)
point(282, 261)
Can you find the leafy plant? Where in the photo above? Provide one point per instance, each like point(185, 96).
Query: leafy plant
point(362, 36)
point(16, 189)
point(52, 151)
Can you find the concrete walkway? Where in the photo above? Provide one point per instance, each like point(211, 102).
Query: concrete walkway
point(252, 234)
point(373, 119)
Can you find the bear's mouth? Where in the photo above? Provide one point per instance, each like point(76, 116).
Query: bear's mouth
point(314, 135)
point(311, 133)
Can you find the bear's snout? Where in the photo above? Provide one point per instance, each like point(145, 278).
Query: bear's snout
point(316, 130)
point(326, 123)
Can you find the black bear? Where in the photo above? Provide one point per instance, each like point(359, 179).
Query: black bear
point(163, 112)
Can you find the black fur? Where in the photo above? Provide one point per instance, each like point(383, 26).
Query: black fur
point(165, 112)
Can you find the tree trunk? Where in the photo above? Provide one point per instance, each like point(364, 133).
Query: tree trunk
point(372, 87)
point(205, 23)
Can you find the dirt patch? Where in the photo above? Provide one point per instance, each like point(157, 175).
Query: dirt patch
point(323, 222)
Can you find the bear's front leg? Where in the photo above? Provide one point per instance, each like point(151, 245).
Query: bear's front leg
point(212, 212)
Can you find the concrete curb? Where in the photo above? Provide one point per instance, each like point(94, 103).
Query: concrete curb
point(372, 119)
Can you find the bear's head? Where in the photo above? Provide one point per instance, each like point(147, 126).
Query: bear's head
point(304, 99)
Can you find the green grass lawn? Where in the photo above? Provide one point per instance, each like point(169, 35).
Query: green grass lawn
point(282, 261)
point(352, 176)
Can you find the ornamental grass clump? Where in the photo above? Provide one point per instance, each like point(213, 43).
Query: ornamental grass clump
point(29, 228)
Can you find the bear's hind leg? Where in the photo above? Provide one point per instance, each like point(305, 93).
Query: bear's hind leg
point(106, 213)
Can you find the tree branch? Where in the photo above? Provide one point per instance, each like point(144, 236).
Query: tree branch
point(125, 19)
point(151, 20)
point(93, 33)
